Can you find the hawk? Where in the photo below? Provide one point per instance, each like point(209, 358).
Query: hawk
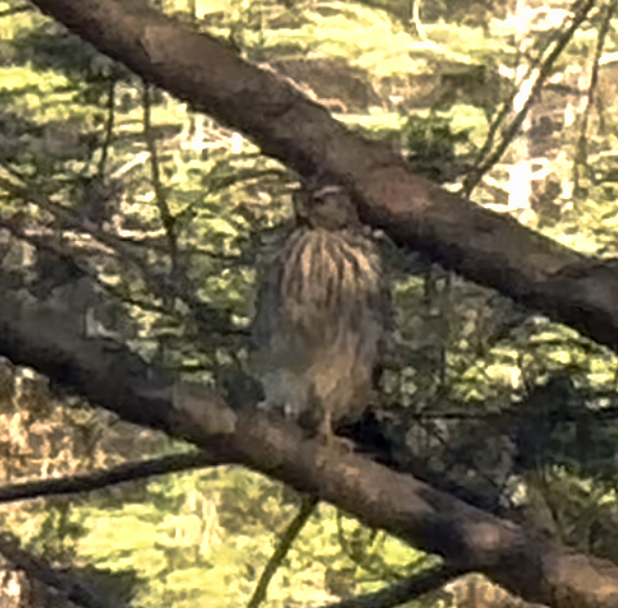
point(322, 315)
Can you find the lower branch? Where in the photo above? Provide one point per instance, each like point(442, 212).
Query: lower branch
point(307, 507)
point(102, 479)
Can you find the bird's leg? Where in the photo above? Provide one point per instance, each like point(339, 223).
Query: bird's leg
point(325, 429)
point(327, 435)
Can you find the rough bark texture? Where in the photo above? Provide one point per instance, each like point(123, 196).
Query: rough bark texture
point(491, 249)
point(483, 246)
point(466, 537)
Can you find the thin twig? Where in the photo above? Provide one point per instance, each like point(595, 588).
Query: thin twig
point(167, 219)
point(105, 478)
point(403, 591)
point(581, 157)
point(307, 507)
point(542, 73)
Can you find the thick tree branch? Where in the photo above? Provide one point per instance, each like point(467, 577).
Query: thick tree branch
point(111, 376)
point(486, 247)
point(483, 246)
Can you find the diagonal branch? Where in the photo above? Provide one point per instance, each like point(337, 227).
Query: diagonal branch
point(105, 478)
point(404, 591)
point(467, 538)
point(307, 507)
point(483, 246)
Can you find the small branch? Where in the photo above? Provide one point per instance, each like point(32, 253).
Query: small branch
point(167, 219)
point(102, 479)
point(511, 131)
point(403, 591)
point(39, 238)
point(208, 317)
point(307, 507)
point(109, 126)
point(582, 142)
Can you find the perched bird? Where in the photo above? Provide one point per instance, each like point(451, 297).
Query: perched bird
point(323, 311)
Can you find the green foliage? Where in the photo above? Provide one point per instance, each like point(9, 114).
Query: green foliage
point(182, 206)
point(206, 536)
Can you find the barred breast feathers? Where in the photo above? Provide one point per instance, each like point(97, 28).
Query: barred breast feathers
point(322, 312)
point(328, 276)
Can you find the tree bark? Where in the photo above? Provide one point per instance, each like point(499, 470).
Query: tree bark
point(468, 538)
point(484, 246)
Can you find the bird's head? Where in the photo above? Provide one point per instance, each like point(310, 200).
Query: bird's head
point(329, 207)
